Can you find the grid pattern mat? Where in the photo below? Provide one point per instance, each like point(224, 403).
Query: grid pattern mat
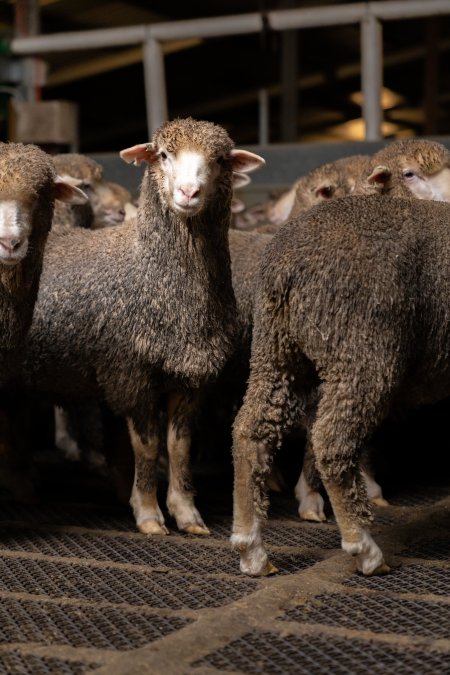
point(274, 654)
point(376, 613)
point(15, 663)
point(106, 628)
point(74, 582)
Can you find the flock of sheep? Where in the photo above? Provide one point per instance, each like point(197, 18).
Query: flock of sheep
point(328, 306)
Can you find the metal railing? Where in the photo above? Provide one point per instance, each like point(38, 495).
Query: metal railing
point(369, 15)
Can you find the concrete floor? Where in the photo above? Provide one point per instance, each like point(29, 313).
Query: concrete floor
point(82, 591)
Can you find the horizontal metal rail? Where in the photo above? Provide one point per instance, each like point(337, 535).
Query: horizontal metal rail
point(368, 15)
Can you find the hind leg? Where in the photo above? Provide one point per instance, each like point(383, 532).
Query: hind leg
point(269, 409)
point(347, 414)
point(310, 501)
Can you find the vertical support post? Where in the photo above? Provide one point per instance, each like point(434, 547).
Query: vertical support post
point(431, 76)
point(263, 117)
point(27, 23)
point(155, 85)
point(289, 106)
point(372, 75)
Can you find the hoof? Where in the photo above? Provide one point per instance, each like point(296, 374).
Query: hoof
point(381, 569)
point(197, 529)
point(380, 501)
point(152, 527)
point(264, 571)
point(313, 516)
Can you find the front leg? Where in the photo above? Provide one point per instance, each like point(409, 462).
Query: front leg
point(180, 497)
point(144, 502)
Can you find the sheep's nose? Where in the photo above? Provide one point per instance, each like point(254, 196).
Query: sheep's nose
point(189, 190)
point(10, 244)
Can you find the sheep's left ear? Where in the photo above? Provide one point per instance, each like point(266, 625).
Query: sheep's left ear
point(245, 161)
point(143, 152)
point(66, 192)
point(379, 176)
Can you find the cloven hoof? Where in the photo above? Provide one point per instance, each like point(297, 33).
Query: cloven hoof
point(313, 516)
point(380, 501)
point(378, 571)
point(197, 529)
point(152, 527)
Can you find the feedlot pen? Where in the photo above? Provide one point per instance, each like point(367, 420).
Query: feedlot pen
point(82, 591)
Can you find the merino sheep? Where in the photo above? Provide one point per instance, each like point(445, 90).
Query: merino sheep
point(29, 187)
point(413, 168)
point(143, 314)
point(107, 203)
point(351, 322)
point(331, 180)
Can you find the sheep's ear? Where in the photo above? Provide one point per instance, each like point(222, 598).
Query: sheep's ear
point(143, 152)
point(66, 192)
point(379, 176)
point(281, 210)
point(240, 179)
point(237, 205)
point(245, 161)
point(325, 191)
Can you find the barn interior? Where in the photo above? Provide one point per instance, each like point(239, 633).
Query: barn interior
point(82, 590)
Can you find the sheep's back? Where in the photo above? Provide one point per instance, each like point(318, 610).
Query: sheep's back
point(362, 277)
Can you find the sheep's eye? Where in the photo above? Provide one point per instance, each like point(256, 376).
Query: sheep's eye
point(85, 186)
point(163, 155)
point(409, 174)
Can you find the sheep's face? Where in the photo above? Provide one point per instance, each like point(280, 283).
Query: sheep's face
point(108, 204)
point(188, 179)
point(424, 185)
point(15, 229)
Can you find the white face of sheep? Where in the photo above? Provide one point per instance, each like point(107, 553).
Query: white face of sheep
point(434, 186)
point(189, 179)
point(188, 175)
point(16, 221)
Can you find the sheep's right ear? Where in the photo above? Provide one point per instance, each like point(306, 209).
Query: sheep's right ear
point(379, 176)
point(244, 161)
point(143, 152)
point(66, 192)
point(240, 179)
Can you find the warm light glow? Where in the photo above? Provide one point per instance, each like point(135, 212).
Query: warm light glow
point(389, 98)
point(354, 130)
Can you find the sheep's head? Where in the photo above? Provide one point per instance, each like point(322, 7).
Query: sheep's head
point(28, 184)
point(328, 181)
point(188, 157)
point(109, 202)
point(411, 168)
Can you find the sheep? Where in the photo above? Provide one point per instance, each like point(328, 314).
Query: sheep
point(351, 323)
point(143, 314)
point(29, 187)
point(417, 168)
point(331, 180)
point(108, 201)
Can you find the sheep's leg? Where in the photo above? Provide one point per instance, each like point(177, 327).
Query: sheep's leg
point(374, 491)
point(180, 497)
point(311, 503)
point(144, 502)
point(343, 417)
point(269, 410)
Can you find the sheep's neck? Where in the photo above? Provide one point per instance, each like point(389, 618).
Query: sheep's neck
point(187, 274)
